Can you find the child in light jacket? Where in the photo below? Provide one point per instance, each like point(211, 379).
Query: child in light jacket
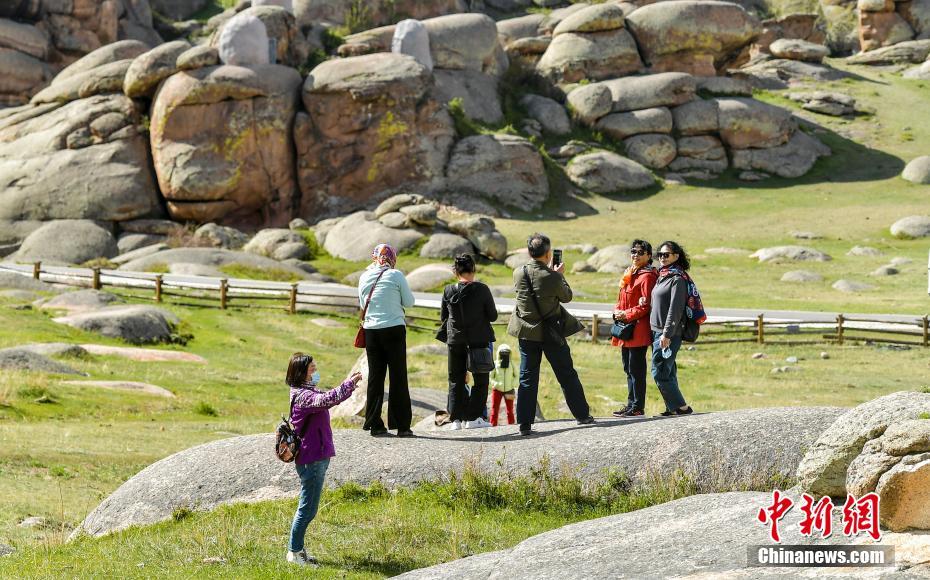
point(503, 385)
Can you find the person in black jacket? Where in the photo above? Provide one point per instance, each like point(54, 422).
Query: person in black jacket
point(465, 321)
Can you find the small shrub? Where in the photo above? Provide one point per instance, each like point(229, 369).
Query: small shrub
point(183, 237)
point(925, 389)
point(206, 409)
point(181, 513)
point(924, 415)
point(102, 263)
point(33, 392)
point(60, 471)
point(358, 18)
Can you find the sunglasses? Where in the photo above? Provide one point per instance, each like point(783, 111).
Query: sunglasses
point(663, 255)
point(637, 252)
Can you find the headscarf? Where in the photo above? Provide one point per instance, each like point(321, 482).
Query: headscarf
point(384, 255)
point(627, 277)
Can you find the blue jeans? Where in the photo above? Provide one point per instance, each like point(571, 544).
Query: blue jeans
point(665, 372)
point(311, 487)
point(560, 358)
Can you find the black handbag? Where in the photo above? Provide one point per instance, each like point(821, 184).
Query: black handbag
point(553, 326)
point(623, 330)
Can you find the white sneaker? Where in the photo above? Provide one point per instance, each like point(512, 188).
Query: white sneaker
point(478, 423)
point(301, 558)
point(454, 426)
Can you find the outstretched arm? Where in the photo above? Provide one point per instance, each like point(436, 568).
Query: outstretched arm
point(315, 400)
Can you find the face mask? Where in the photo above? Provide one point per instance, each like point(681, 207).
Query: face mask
point(315, 378)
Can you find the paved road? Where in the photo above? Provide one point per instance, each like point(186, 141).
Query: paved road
point(907, 323)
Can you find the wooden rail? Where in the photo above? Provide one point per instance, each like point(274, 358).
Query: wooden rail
point(292, 299)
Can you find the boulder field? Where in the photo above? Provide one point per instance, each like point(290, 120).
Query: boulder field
point(221, 132)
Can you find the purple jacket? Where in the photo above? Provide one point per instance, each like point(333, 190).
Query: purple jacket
point(310, 418)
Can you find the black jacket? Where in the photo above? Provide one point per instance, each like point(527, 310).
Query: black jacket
point(467, 307)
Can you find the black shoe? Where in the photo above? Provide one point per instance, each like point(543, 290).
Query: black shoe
point(379, 433)
point(677, 412)
point(589, 420)
point(622, 411)
point(405, 433)
point(526, 429)
point(633, 414)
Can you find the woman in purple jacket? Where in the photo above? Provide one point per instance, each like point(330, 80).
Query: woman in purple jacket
point(310, 417)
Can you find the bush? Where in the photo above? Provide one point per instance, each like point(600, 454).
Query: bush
point(206, 409)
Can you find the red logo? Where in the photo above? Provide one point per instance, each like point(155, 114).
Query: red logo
point(859, 516)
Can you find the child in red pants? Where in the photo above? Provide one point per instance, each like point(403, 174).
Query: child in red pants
point(503, 385)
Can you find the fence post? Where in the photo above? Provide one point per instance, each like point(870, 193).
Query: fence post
point(595, 327)
point(158, 280)
point(760, 332)
point(293, 306)
point(224, 285)
point(926, 325)
point(36, 270)
point(96, 282)
point(839, 329)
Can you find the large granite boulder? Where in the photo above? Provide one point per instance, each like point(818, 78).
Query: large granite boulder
point(271, 241)
point(622, 125)
point(572, 57)
point(222, 144)
point(912, 51)
point(356, 235)
point(716, 449)
point(588, 103)
point(482, 233)
point(148, 70)
point(698, 37)
point(653, 150)
point(106, 78)
point(793, 159)
point(446, 246)
point(795, 49)
point(39, 39)
point(67, 242)
point(605, 172)
point(550, 114)
point(371, 128)
point(135, 324)
point(655, 90)
point(702, 536)
point(464, 42)
point(504, 168)
point(477, 90)
point(80, 301)
point(823, 471)
point(794, 253)
point(82, 160)
point(746, 123)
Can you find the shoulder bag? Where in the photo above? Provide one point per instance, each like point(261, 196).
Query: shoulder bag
point(553, 326)
point(480, 359)
point(360, 335)
point(623, 330)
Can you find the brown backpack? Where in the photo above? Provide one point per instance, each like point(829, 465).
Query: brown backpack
point(287, 441)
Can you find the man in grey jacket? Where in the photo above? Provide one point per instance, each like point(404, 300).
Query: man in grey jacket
point(546, 281)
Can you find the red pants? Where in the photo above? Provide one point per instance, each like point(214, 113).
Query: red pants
point(496, 397)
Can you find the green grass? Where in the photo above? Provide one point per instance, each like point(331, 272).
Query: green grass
point(252, 273)
point(360, 532)
point(247, 353)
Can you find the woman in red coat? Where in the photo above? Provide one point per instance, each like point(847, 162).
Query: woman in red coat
point(633, 305)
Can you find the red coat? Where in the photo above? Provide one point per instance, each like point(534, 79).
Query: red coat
point(640, 286)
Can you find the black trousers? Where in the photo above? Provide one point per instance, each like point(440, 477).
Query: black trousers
point(387, 352)
point(463, 407)
point(634, 365)
point(560, 358)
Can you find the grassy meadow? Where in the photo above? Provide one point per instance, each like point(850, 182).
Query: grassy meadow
point(65, 448)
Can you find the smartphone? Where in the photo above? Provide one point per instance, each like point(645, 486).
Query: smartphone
point(556, 257)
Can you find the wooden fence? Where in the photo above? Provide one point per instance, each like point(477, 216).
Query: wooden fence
point(291, 298)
